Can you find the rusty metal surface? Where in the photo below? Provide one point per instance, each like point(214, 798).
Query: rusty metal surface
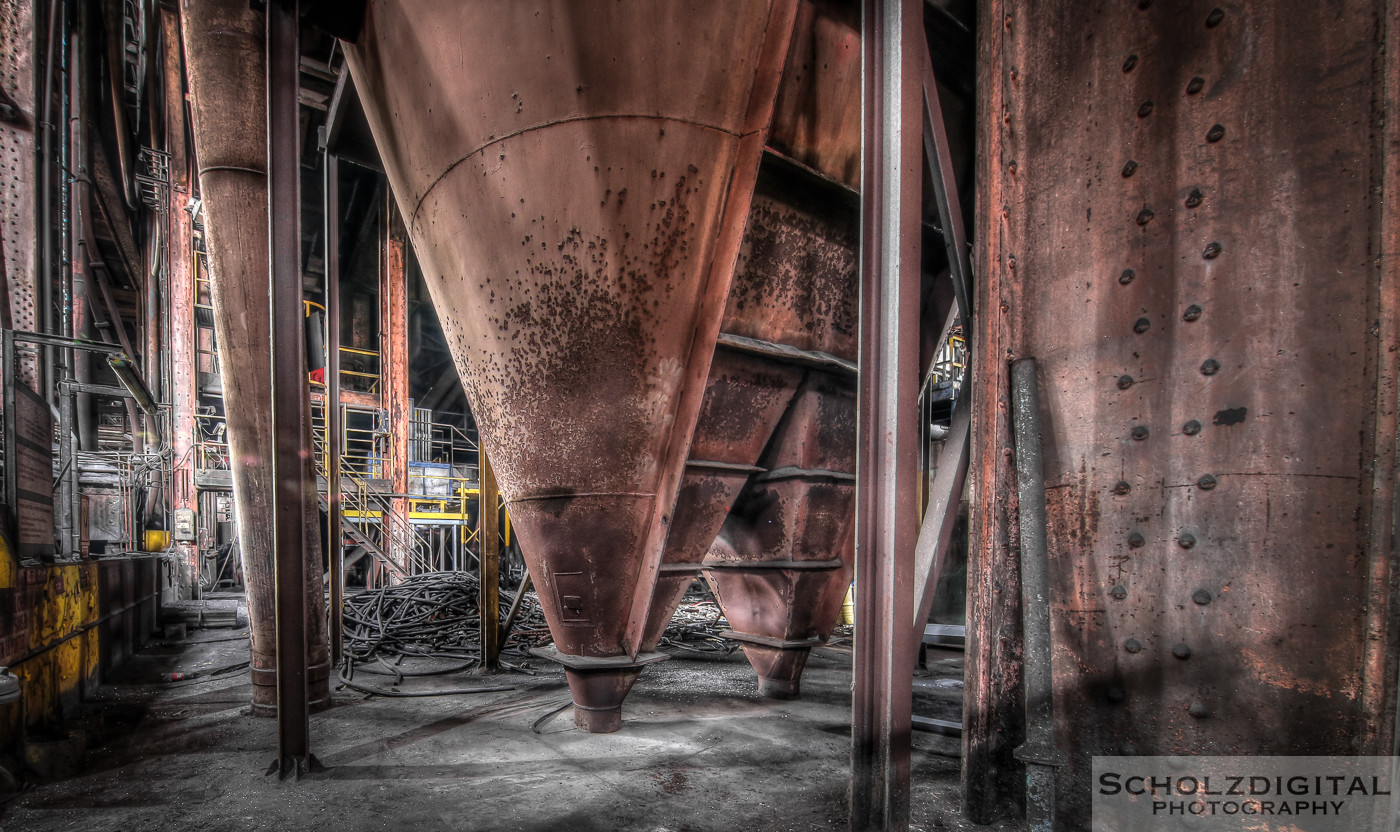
point(887, 477)
point(817, 117)
point(179, 305)
point(799, 512)
point(393, 352)
point(794, 283)
point(1213, 370)
point(795, 286)
point(18, 130)
point(226, 66)
point(568, 208)
point(745, 397)
point(293, 472)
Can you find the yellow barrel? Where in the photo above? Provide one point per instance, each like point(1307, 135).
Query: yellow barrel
point(848, 609)
point(156, 541)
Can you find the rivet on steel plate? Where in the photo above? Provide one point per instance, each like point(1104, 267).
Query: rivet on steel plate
point(1195, 85)
point(1181, 651)
point(1129, 168)
point(1213, 19)
point(1129, 62)
point(1191, 428)
point(1124, 382)
point(1140, 432)
point(1198, 710)
point(1127, 276)
point(1145, 216)
point(1136, 540)
point(1145, 110)
point(1215, 133)
point(1210, 367)
point(1116, 694)
point(1011, 262)
point(1195, 198)
point(1132, 645)
point(1186, 540)
point(1119, 591)
point(1192, 313)
point(1011, 168)
point(1201, 596)
point(1206, 482)
point(1141, 325)
point(1122, 487)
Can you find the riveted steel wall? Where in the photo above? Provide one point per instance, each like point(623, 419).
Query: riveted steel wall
point(1185, 221)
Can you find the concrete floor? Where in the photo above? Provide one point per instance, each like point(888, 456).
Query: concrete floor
point(699, 750)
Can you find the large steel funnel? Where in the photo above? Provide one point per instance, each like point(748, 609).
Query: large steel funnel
point(226, 60)
point(783, 559)
point(575, 177)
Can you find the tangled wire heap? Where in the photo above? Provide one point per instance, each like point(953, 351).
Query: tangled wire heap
point(435, 615)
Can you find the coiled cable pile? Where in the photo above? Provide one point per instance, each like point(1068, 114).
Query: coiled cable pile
point(435, 616)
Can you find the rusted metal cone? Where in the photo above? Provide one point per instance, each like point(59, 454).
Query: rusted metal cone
point(225, 54)
point(784, 557)
point(565, 200)
point(745, 397)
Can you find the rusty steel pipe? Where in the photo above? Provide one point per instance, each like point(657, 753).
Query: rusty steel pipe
point(225, 53)
point(1038, 752)
point(568, 204)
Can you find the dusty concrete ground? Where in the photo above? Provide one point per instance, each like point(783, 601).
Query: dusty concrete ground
point(699, 750)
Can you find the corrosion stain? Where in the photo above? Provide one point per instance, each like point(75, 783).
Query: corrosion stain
point(1230, 416)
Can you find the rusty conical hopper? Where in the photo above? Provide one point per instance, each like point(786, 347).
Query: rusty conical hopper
point(563, 169)
point(783, 559)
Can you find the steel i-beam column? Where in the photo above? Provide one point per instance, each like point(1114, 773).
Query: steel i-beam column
point(887, 443)
point(290, 408)
point(488, 515)
point(333, 508)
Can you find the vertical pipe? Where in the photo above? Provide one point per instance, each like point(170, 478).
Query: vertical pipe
point(290, 408)
point(490, 585)
point(1038, 752)
point(886, 497)
point(335, 534)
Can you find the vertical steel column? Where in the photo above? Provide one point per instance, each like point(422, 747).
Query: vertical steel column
point(489, 588)
point(393, 373)
point(888, 456)
point(290, 408)
point(179, 302)
point(334, 532)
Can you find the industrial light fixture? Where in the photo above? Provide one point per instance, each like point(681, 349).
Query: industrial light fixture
point(131, 380)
